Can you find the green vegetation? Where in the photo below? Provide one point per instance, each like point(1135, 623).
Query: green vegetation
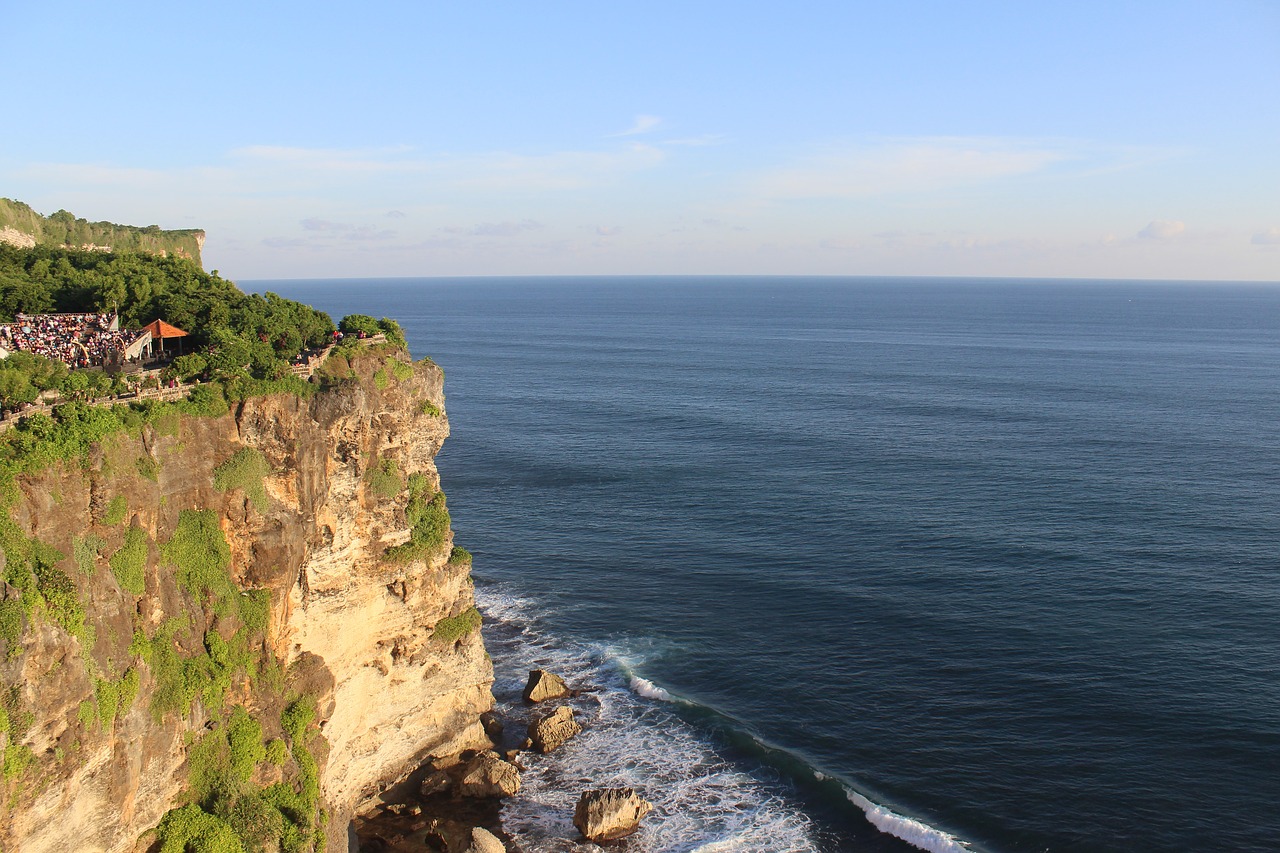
point(233, 336)
point(64, 229)
point(430, 408)
point(401, 370)
point(11, 627)
point(228, 810)
point(129, 563)
point(117, 509)
point(148, 468)
point(460, 556)
point(277, 751)
point(428, 522)
point(85, 550)
point(191, 829)
point(454, 628)
point(380, 380)
point(245, 471)
point(255, 609)
point(200, 551)
point(384, 478)
point(111, 698)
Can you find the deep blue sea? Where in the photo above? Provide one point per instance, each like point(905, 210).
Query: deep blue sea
point(868, 564)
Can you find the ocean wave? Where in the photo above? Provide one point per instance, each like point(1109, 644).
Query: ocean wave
point(649, 690)
point(634, 737)
point(908, 829)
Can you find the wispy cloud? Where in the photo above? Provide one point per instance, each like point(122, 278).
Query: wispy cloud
point(642, 124)
point(908, 166)
point(1270, 237)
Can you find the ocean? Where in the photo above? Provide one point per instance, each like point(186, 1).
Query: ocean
point(874, 564)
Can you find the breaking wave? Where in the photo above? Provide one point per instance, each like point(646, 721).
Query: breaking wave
point(633, 736)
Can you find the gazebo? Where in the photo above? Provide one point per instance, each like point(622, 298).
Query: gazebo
point(160, 330)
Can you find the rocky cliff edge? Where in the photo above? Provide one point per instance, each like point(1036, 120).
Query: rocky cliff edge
point(238, 628)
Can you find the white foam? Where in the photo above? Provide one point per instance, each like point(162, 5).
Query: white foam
point(649, 690)
point(910, 830)
point(701, 801)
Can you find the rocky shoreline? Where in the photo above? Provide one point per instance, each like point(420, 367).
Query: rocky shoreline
point(453, 805)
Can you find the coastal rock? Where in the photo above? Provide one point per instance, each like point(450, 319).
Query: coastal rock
point(435, 782)
point(544, 685)
point(608, 814)
point(551, 731)
point(345, 626)
point(487, 775)
point(484, 841)
point(492, 726)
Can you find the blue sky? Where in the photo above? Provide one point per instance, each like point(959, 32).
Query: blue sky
point(1117, 139)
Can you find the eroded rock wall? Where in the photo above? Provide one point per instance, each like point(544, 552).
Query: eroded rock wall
point(346, 626)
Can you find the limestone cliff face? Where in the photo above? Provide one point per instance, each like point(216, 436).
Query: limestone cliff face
point(385, 648)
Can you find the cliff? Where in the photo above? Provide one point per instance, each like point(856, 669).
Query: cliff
point(239, 626)
point(22, 226)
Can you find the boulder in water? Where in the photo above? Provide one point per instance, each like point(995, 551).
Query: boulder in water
point(550, 731)
point(544, 685)
point(608, 814)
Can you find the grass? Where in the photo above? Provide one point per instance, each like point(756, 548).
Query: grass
point(246, 471)
point(430, 408)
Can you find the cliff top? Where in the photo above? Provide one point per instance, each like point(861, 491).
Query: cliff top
point(22, 226)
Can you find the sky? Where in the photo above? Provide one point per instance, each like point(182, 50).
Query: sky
point(1086, 139)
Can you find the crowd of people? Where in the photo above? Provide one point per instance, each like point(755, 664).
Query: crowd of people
point(78, 340)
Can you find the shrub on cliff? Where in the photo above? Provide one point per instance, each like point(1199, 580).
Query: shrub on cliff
point(245, 471)
point(428, 523)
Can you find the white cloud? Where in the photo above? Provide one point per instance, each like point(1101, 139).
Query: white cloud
point(1270, 237)
point(1162, 229)
point(642, 124)
point(908, 165)
point(608, 230)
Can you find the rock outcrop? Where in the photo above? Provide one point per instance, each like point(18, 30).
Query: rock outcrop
point(543, 686)
point(551, 731)
point(610, 813)
point(278, 582)
point(487, 775)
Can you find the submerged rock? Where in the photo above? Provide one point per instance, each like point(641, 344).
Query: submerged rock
point(487, 775)
point(550, 731)
point(609, 813)
point(544, 685)
point(484, 841)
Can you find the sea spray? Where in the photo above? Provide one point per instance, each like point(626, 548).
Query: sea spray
point(702, 801)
